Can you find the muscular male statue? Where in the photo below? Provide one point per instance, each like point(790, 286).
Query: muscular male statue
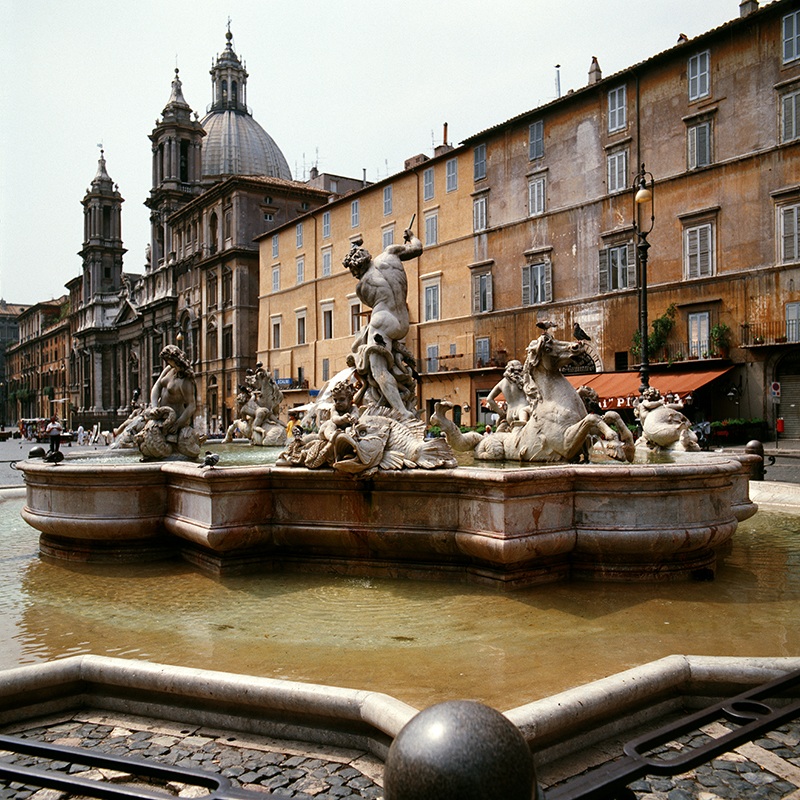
point(381, 357)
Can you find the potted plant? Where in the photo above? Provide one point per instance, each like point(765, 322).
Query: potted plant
point(720, 338)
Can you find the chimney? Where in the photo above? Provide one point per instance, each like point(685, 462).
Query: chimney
point(444, 134)
point(747, 7)
point(595, 74)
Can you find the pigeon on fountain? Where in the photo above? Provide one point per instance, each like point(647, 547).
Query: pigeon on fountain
point(580, 334)
point(545, 325)
point(210, 460)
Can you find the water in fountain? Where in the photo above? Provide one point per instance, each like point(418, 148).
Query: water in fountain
point(421, 642)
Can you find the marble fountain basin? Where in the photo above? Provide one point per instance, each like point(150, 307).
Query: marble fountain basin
point(515, 526)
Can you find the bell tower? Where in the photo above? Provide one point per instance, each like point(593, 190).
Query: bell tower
point(177, 165)
point(102, 249)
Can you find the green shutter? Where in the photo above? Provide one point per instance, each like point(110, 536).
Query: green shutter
point(603, 273)
point(631, 256)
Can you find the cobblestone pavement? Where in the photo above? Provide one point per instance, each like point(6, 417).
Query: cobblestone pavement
point(766, 769)
point(272, 767)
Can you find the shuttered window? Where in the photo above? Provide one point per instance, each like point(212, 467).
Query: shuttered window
point(699, 75)
point(790, 233)
point(699, 145)
point(536, 197)
point(617, 268)
point(698, 251)
point(790, 116)
point(536, 140)
point(791, 37)
point(537, 283)
point(481, 293)
point(617, 171)
point(617, 109)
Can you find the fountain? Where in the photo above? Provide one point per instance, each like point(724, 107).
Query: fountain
point(368, 495)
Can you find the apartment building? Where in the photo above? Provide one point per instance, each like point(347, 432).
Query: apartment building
point(533, 219)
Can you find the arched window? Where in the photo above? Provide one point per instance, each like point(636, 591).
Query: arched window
point(211, 296)
point(213, 232)
point(227, 286)
point(234, 92)
point(212, 349)
point(224, 91)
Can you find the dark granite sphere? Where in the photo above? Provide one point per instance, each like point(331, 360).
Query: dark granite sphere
point(459, 749)
point(36, 452)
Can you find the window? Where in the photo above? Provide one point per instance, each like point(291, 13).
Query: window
point(276, 334)
point(432, 360)
point(617, 108)
point(211, 343)
point(388, 236)
point(326, 369)
point(301, 327)
point(355, 318)
point(276, 279)
point(354, 214)
point(326, 225)
point(699, 145)
point(227, 286)
point(227, 341)
point(212, 290)
point(427, 184)
point(791, 37)
point(480, 162)
point(698, 252)
point(536, 140)
point(327, 323)
point(301, 270)
point(227, 224)
point(536, 196)
point(698, 75)
point(617, 268)
point(699, 325)
point(269, 217)
point(537, 283)
point(275, 246)
point(481, 292)
point(431, 302)
point(387, 200)
point(299, 234)
point(482, 351)
point(793, 322)
point(451, 175)
point(480, 214)
point(431, 229)
point(790, 116)
point(789, 223)
point(327, 258)
point(617, 171)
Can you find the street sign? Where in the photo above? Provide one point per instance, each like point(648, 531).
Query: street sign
point(775, 389)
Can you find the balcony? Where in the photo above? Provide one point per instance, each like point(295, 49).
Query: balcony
point(688, 351)
point(760, 334)
point(459, 362)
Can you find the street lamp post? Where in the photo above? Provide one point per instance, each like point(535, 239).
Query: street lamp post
point(643, 185)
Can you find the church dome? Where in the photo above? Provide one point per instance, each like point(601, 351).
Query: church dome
point(235, 144)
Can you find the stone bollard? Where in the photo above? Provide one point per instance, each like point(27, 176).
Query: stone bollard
point(756, 448)
point(460, 750)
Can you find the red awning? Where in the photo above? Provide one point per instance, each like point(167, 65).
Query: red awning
point(618, 389)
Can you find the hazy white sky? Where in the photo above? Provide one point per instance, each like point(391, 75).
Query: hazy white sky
point(346, 84)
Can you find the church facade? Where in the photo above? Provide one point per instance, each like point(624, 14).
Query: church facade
point(217, 183)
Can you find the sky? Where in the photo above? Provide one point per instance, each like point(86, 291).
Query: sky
point(346, 85)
